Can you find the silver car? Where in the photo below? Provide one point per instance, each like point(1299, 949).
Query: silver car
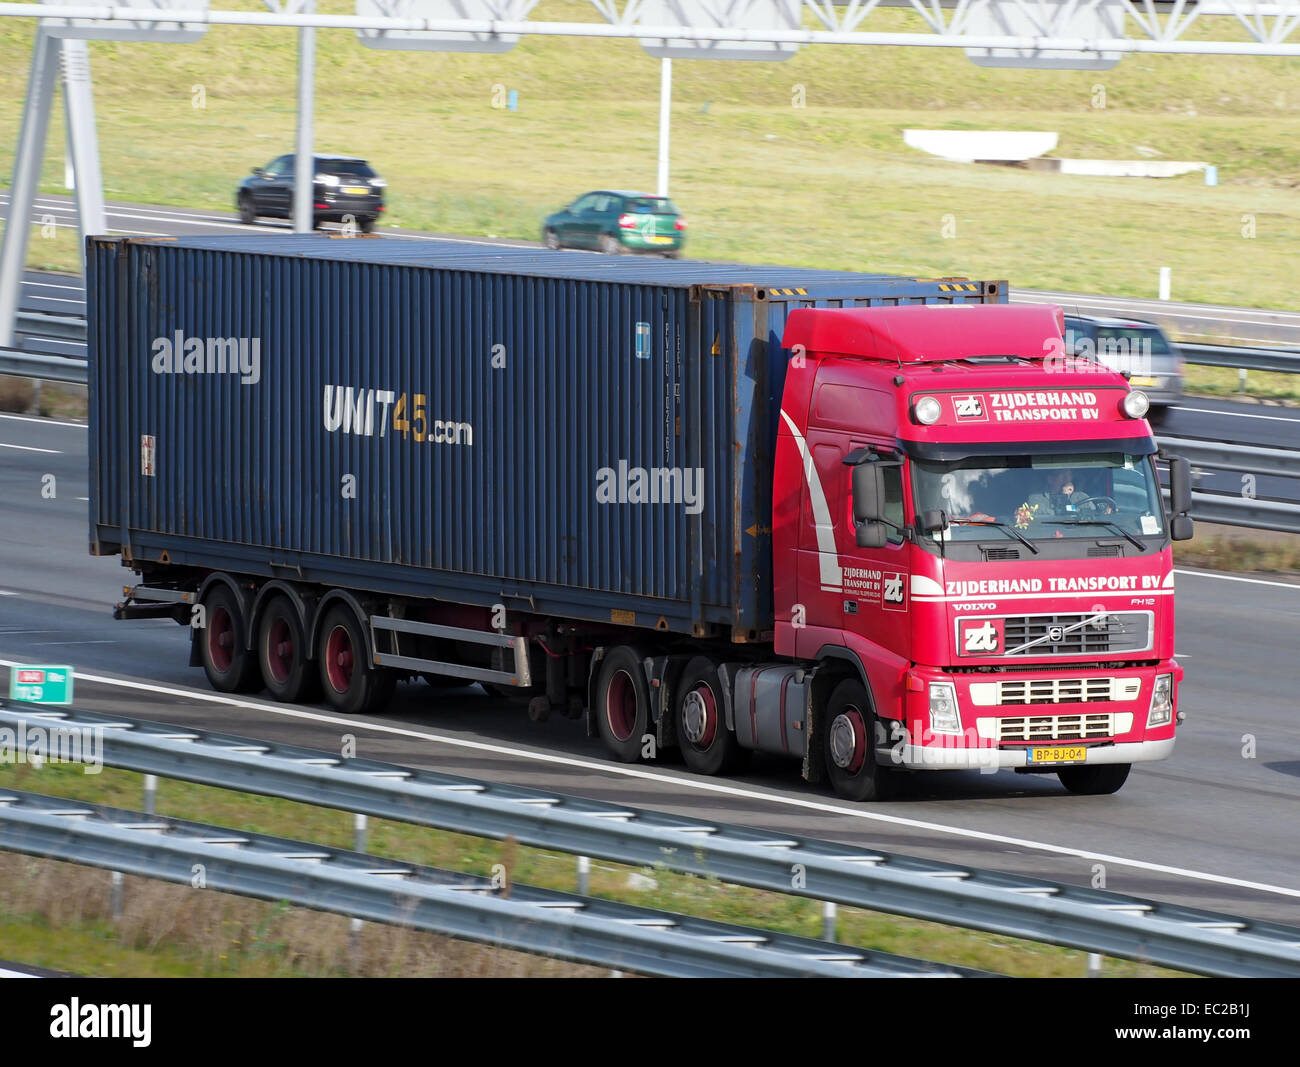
point(1140, 348)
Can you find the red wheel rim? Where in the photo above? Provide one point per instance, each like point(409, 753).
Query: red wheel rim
point(339, 659)
point(848, 735)
point(221, 640)
point(279, 649)
point(620, 706)
point(702, 718)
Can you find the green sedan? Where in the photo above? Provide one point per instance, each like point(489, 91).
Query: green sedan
point(614, 221)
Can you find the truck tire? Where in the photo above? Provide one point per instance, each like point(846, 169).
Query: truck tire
point(707, 746)
point(290, 676)
point(350, 682)
point(1095, 781)
point(623, 703)
point(231, 666)
point(848, 731)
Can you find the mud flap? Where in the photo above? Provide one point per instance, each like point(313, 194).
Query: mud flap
point(820, 684)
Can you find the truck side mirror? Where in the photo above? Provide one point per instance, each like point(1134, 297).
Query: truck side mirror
point(1180, 485)
point(1180, 499)
point(868, 492)
point(868, 498)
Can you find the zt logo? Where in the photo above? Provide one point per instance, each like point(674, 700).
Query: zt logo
point(893, 591)
point(968, 407)
point(982, 638)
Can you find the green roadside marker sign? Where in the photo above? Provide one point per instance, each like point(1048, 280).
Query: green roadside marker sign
point(41, 685)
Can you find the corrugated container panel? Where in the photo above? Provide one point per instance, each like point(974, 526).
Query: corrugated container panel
point(556, 370)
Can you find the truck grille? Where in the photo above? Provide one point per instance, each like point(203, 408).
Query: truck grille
point(1092, 690)
point(1054, 691)
point(1056, 727)
point(1071, 635)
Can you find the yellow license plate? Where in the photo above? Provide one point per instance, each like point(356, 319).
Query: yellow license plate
point(1144, 381)
point(356, 190)
point(662, 240)
point(1059, 754)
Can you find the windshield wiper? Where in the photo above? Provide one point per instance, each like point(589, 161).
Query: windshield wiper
point(1001, 526)
point(1141, 545)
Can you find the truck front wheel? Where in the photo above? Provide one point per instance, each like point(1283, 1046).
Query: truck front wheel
point(228, 662)
point(708, 747)
point(1095, 781)
point(623, 703)
point(848, 729)
point(282, 651)
point(351, 684)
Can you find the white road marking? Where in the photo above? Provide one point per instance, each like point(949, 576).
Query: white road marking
point(7, 592)
point(54, 299)
point(48, 340)
point(98, 641)
point(1236, 414)
point(16, 974)
point(44, 422)
point(625, 771)
point(1236, 578)
point(29, 448)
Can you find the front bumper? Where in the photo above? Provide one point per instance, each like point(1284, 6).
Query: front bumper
point(943, 757)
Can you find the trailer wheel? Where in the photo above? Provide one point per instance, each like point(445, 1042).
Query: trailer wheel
point(708, 747)
point(282, 653)
point(848, 729)
point(352, 685)
point(1095, 781)
point(623, 703)
point(230, 665)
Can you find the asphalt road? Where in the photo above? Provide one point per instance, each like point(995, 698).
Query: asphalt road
point(1213, 827)
point(1192, 322)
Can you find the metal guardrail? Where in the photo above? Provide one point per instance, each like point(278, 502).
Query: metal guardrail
point(1236, 509)
point(1265, 359)
point(1228, 457)
point(520, 917)
point(1248, 512)
point(42, 324)
point(1033, 909)
point(46, 368)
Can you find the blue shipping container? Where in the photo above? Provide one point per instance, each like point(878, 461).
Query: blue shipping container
point(574, 435)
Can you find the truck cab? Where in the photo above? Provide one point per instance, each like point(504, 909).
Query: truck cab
point(972, 520)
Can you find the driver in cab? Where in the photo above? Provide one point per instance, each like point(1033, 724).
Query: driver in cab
point(1062, 495)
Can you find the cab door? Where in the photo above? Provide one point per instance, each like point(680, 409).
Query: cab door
point(863, 591)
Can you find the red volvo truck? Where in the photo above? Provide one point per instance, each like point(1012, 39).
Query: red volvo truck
point(877, 525)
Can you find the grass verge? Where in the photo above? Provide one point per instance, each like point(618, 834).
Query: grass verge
point(799, 162)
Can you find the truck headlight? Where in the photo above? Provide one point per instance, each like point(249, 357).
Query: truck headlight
point(1136, 404)
point(1162, 701)
point(927, 410)
point(944, 716)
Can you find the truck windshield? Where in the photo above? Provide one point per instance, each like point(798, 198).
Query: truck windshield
point(1084, 495)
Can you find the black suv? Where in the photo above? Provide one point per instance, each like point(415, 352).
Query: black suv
point(344, 187)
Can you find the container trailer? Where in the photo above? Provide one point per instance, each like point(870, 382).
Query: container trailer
point(876, 524)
